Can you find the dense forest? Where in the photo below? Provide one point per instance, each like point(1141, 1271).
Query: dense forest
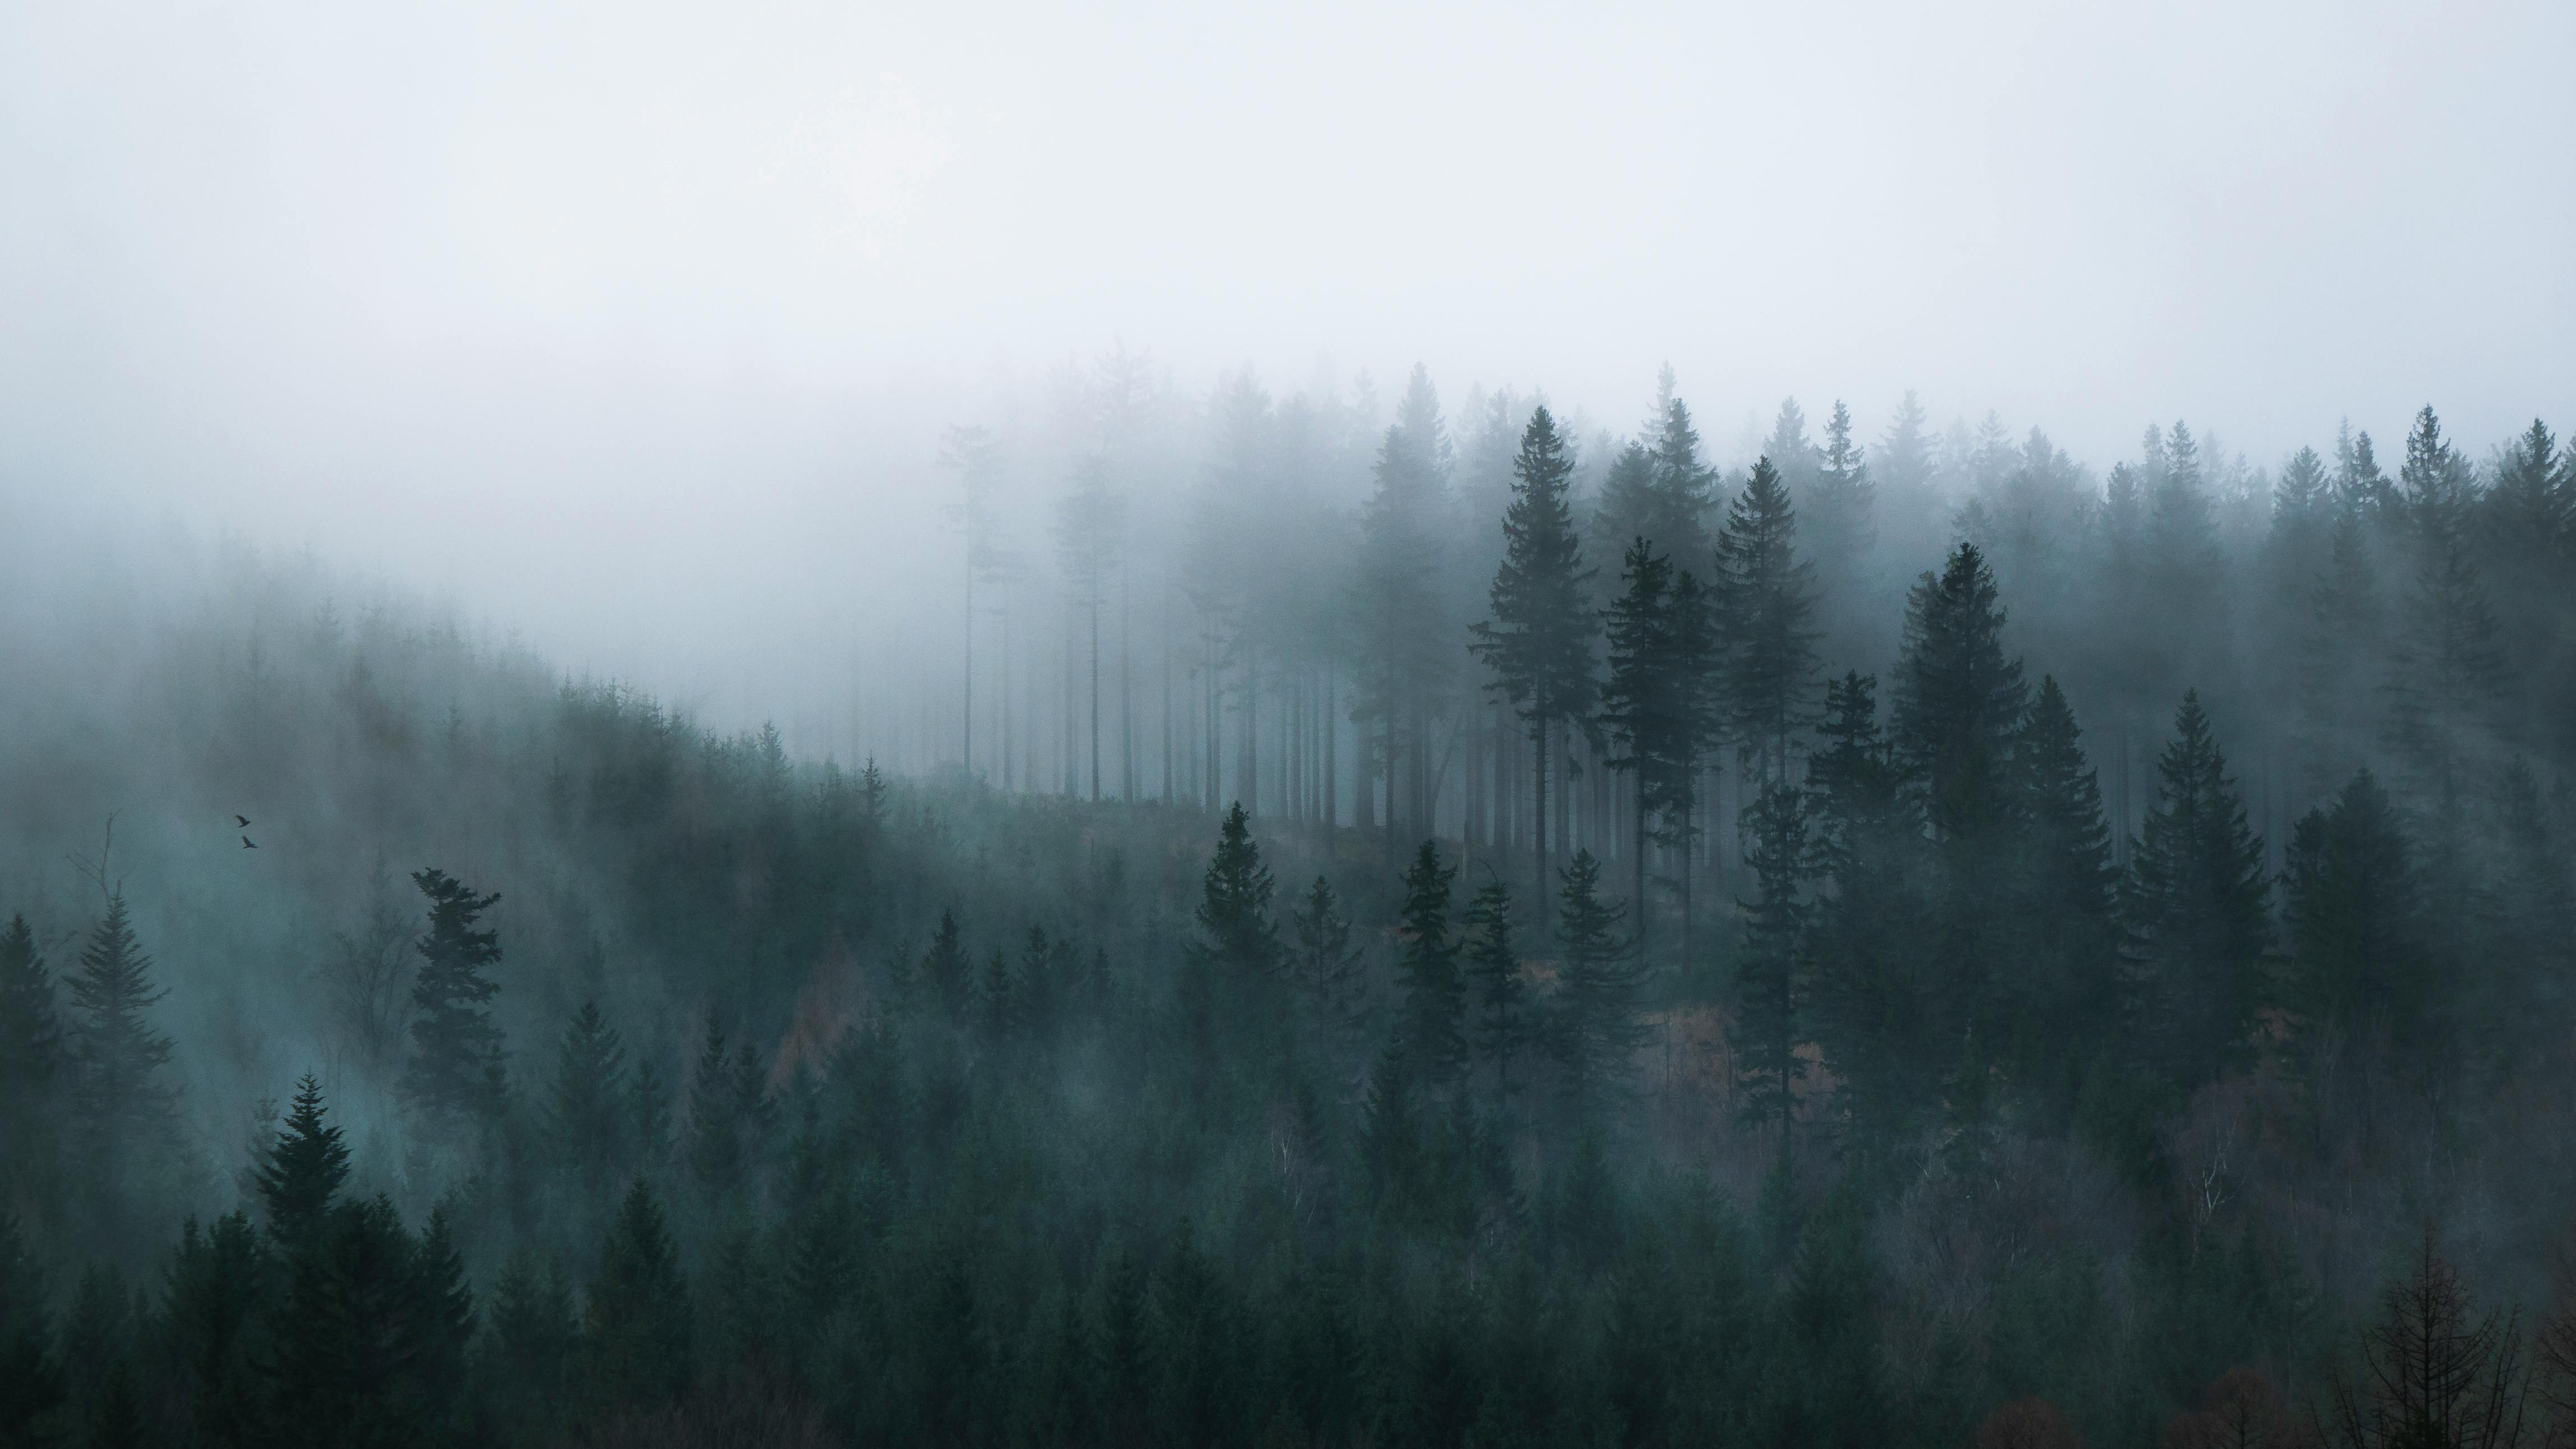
point(1368, 931)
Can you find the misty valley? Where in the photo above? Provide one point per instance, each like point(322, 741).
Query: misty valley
point(1426, 930)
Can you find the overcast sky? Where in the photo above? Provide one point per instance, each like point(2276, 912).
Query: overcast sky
point(634, 325)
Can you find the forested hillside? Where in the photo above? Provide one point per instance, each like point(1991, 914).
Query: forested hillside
point(1518, 934)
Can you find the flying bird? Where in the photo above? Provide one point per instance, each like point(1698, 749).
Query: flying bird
point(246, 845)
point(242, 820)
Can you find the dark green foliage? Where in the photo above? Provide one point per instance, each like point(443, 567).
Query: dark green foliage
point(1770, 967)
point(1504, 1027)
point(2059, 983)
point(2359, 972)
point(1539, 641)
point(1767, 598)
point(1234, 902)
point(528, 1351)
point(365, 1336)
point(2196, 904)
point(304, 1170)
point(588, 1117)
point(1431, 1019)
point(31, 1383)
point(945, 972)
point(32, 1061)
point(455, 1042)
point(635, 1323)
point(116, 1056)
point(1957, 698)
point(1593, 1029)
point(1324, 963)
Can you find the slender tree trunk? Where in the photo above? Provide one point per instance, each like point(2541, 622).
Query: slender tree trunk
point(1332, 734)
point(1538, 812)
point(1638, 867)
point(967, 733)
point(1167, 698)
point(1095, 687)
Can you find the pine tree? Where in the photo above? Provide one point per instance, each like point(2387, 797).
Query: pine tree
point(2341, 668)
point(1539, 641)
point(1684, 487)
point(715, 1133)
point(1430, 1027)
point(1402, 633)
point(1770, 964)
point(648, 1112)
point(32, 1064)
point(454, 1040)
point(2452, 676)
point(588, 1116)
point(528, 1357)
point(635, 1326)
point(1641, 702)
point(2195, 904)
point(1837, 511)
point(350, 1332)
point(116, 1056)
point(1957, 698)
point(1324, 963)
point(1767, 597)
point(1233, 915)
point(221, 1286)
point(1503, 1025)
point(2358, 972)
point(303, 1172)
point(2060, 988)
point(945, 971)
point(1593, 1028)
point(440, 1328)
point(31, 1383)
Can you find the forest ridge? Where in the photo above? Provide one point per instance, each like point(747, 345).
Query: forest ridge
point(1900, 944)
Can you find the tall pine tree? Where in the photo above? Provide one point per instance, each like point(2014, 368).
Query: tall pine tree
point(1767, 600)
point(2196, 905)
point(455, 1044)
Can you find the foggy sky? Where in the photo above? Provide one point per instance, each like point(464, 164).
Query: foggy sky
point(632, 327)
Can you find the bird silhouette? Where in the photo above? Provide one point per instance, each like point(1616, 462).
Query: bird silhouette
point(246, 845)
point(242, 820)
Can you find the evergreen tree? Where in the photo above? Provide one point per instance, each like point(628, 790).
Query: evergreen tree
point(1324, 963)
point(116, 1056)
point(31, 1383)
point(1770, 994)
point(303, 1172)
point(1593, 1029)
point(2195, 904)
point(2340, 665)
point(1957, 698)
point(1643, 703)
point(221, 1288)
point(2060, 986)
point(1837, 511)
point(648, 1112)
point(2452, 677)
point(1402, 634)
point(588, 1115)
point(1430, 1031)
point(1767, 598)
point(454, 1040)
point(440, 1328)
point(528, 1355)
point(1684, 487)
point(1503, 1024)
point(945, 971)
point(635, 1325)
point(715, 1131)
point(1234, 916)
point(1539, 641)
point(350, 1334)
point(32, 1061)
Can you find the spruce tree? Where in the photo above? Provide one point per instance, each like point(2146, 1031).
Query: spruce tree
point(2059, 988)
point(715, 1133)
point(528, 1356)
point(454, 1040)
point(2452, 677)
point(1837, 514)
point(1324, 963)
point(1957, 698)
point(1430, 1031)
point(303, 1171)
point(945, 972)
point(116, 1056)
point(1503, 1025)
point(1643, 702)
point(1593, 1028)
point(1539, 641)
point(31, 1382)
point(1239, 935)
point(1684, 488)
point(1770, 960)
point(2341, 660)
point(1402, 634)
point(2195, 903)
point(2359, 973)
point(1767, 599)
point(588, 1116)
point(32, 1064)
point(635, 1325)
point(215, 1304)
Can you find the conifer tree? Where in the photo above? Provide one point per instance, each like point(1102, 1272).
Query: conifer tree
point(1430, 1031)
point(2452, 677)
point(350, 1332)
point(2060, 983)
point(1770, 964)
point(588, 1114)
point(31, 1383)
point(454, 1040)
point(1323, 961)
point(215, 1302)
point(1837, 514)
point(1767, 598)
point(1593, 1028)
point(528, 1356)
point(2196, 906)
point(2340, 664)
point(2354, 916)
point(304, 1170)
point(1402, 633)
point(1641, 702)
point(1503, 1025)
point(1957, 698)
point(648, 1113)
point(635, 1325)
point(1539, 641)
point(715, 1132)
point(32, 1064)
point(1684, 487)
point(440, 1328)
point(1233, 915)
point(945, 971)
point(116, 1056)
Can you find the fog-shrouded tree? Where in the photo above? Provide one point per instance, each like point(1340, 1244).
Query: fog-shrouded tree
point(586, 1113)
point(33, 1065)
point(303, 1171)
point(117, 1056)
point(2196, 906)
point(1770, 968)
point(1431, 1019)
point(1090, 533)
point(2061, 985)
point(1957, 698)
point(455, 1044)
point(1767, 602)
point(1593, 1029)
point(1401, 623)
point(974, 454)
point(1538, 642)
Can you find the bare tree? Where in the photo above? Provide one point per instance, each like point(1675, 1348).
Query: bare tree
point(2436, 1373)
